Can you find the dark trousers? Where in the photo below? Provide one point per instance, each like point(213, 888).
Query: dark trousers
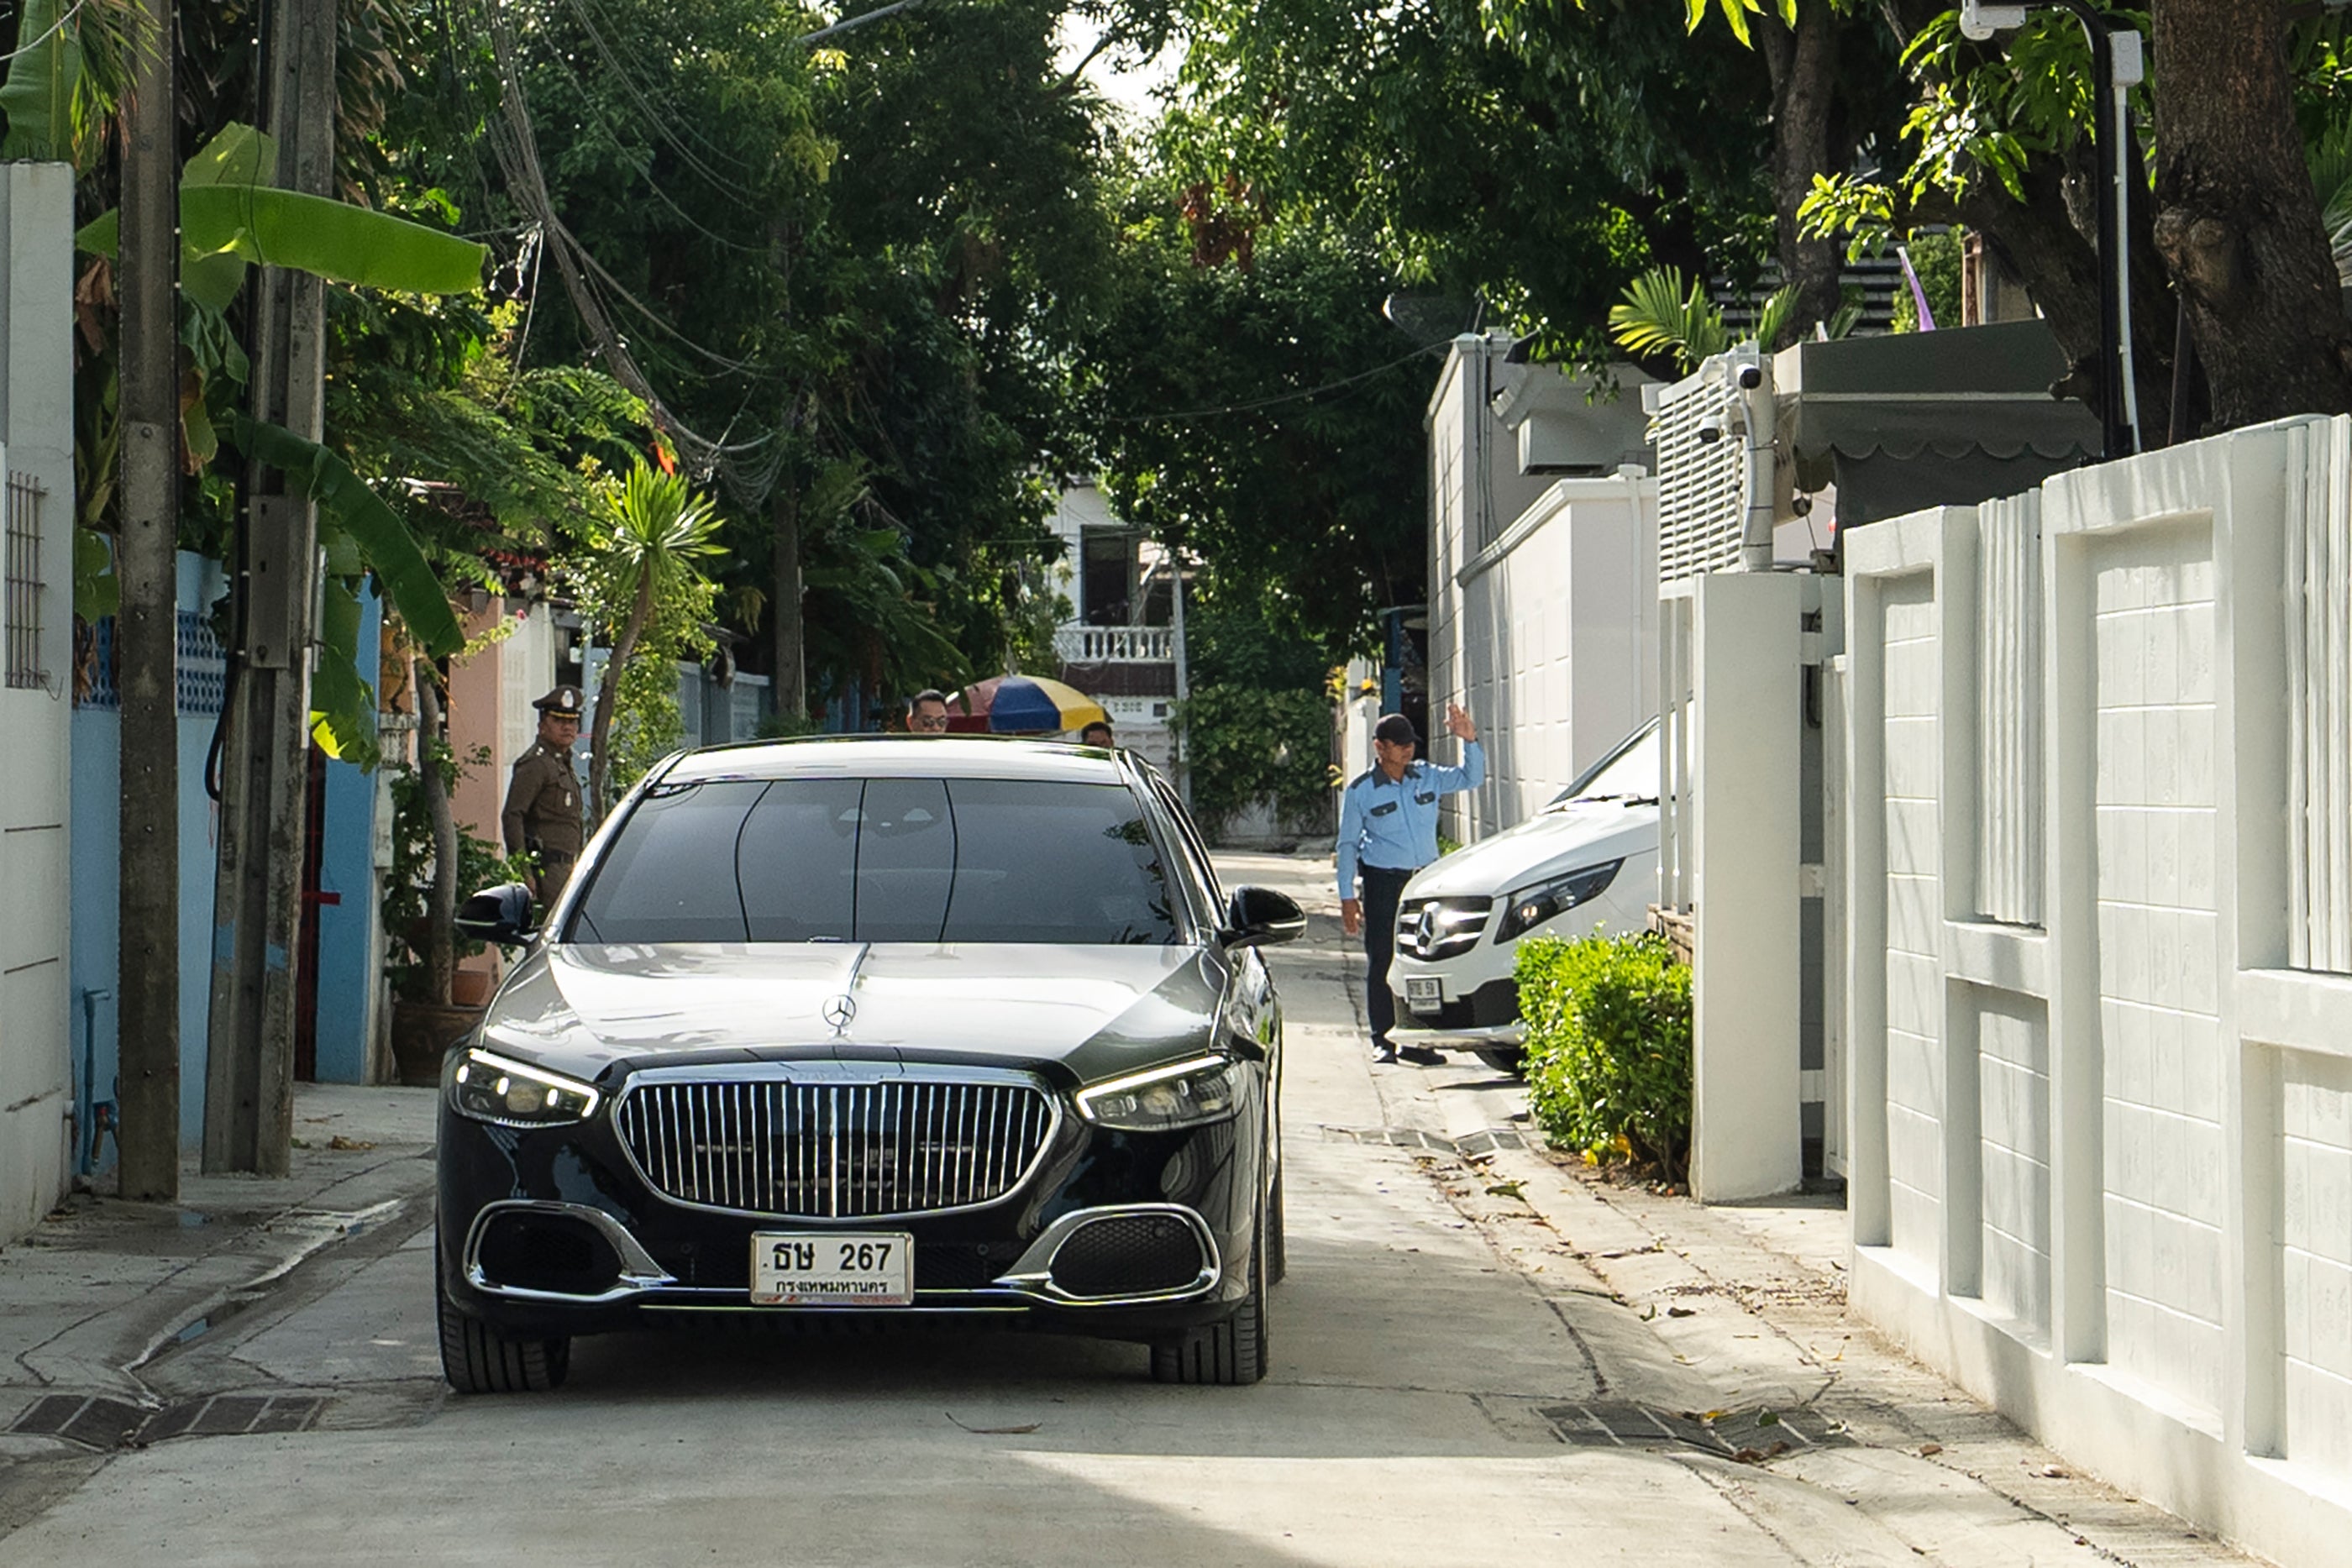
point(1380, 887)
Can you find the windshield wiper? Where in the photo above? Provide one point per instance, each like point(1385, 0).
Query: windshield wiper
point(1629, 800)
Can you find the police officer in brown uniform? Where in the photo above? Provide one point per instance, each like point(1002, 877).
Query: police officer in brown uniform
point(542, 809)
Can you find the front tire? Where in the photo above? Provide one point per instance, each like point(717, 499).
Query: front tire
point(1508, 1058)
point(1231, 1352)
point(476, 1359)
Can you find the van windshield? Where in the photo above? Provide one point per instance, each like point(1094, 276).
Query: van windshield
point(1628, 773)
point(881, 860)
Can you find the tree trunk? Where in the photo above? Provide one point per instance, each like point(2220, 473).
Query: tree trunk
point(2236, 218)
point(441, 897)
point(791, 692)
point(608, 693)
point(1802, 62)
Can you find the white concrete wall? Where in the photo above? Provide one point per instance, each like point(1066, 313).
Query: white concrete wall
point(1744, 653)
point(1543, 616)
point(36, 443)
point(2100, 1156)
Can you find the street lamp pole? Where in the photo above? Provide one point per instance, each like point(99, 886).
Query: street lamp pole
point(2117, 66)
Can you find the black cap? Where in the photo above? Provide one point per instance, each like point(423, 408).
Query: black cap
point(563, 701)
point(1396, 729)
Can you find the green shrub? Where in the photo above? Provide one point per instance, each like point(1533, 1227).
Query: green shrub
point(1609, 1047)
point(1242, 746)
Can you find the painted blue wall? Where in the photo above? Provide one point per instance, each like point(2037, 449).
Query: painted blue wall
point(349, 965)
point(347, 962)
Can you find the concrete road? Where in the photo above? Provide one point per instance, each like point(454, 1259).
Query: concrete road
point(1405, 1421)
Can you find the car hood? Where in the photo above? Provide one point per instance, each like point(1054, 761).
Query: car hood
point(1566, 839)
point(591, 1010)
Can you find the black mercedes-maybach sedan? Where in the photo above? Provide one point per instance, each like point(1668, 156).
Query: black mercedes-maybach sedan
point(885, 1027)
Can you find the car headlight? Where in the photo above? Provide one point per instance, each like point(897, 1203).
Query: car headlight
point(1531, 906)
point(1188, 1094)
point(493, 1088)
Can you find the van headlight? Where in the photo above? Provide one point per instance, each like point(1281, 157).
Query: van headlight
point(1187, 1094)
point(493, 1088)
point(1531, 906)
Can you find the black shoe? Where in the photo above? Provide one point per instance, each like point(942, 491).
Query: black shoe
point(1420, 1056)
point(1383, 1051)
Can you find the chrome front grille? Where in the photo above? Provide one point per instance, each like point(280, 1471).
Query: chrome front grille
point(1441, 927)
point(835, 1150)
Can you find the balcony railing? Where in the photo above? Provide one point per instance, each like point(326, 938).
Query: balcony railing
point(1115, 644)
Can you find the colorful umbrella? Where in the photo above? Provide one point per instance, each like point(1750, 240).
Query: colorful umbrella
point(1021, 704)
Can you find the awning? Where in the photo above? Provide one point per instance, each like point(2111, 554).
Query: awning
point(1926, 419)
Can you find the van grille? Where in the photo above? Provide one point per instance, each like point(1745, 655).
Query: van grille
point(834, 1151)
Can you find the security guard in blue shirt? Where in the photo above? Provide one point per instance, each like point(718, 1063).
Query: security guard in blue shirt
point(1387, 828)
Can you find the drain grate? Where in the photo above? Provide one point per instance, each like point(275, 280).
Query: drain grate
point(1473, 1143)
point(101, 1423)
point(92, 1421)
point(1729, 1433)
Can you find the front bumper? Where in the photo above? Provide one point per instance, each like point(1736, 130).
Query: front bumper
point(646, 1258)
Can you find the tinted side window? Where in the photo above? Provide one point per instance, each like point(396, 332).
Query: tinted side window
point(1201, 869)
point(671, 876)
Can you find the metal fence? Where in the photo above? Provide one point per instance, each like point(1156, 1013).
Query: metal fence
point(24, 584)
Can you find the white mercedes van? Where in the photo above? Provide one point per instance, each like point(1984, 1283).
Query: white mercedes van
point(1588, 860)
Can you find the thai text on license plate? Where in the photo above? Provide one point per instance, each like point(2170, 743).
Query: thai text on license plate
point(832, 1269)
point(1422, 996)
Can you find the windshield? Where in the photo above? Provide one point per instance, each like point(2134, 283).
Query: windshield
point(1628, 773)
point(881, 860)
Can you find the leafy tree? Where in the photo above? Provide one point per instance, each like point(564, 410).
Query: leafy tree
point(1267, 418)
point(637, 569)
point(2230, 236)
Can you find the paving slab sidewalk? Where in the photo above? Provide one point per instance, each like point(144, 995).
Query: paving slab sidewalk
point(104, 1284)
point(1846, 1450)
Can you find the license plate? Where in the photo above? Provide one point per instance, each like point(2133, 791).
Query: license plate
point(1423, 996)
point(833, 1269)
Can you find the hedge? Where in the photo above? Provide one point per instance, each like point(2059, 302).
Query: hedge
point(1608, 1050)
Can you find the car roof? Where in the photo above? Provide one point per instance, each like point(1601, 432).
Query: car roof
point(894, 756)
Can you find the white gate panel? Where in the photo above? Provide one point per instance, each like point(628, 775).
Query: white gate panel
point(2314, 1256)
point(1912, 765)
point(2154, 738)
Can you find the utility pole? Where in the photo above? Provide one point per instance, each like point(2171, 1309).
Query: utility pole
point(791, 692)
point(147, 627)
point(257, 901)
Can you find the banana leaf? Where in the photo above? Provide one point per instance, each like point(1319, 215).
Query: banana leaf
point(39, 96)
point(239, 155)
point(342, 719)
point(330, 239)
point(384, 542)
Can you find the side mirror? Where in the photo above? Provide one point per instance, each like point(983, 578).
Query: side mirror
point(497, 915)
point(1259, 916)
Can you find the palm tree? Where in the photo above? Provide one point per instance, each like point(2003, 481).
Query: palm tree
point(1659, 315)
point(650, 540)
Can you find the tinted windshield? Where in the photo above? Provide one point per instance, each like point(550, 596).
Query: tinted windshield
point(881, 860)
point(1630, 772)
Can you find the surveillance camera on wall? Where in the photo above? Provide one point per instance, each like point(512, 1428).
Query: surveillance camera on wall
point(1710, 431)
point(1751, 376)
point(1980, 21)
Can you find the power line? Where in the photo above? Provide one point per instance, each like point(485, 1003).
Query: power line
point(849, 24)
point(1340, 385)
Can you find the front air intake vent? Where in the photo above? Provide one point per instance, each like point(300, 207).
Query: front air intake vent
point(1129, 1255)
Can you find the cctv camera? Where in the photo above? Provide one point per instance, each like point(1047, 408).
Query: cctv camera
point(1710, 431)
point(1751, 376)
point(1802, 505)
